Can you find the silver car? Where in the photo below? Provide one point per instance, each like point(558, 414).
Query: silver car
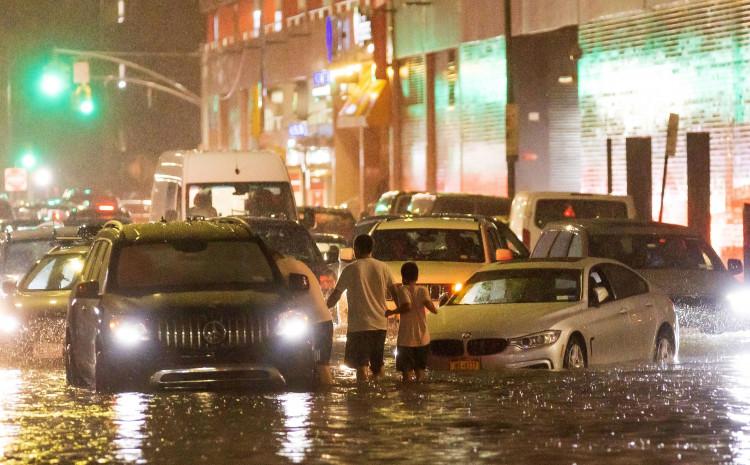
point(553, 314)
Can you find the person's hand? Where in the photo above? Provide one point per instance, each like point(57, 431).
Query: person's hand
point(388, 313)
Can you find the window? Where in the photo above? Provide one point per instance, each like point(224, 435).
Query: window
point(448, 245)
point(516, 286)
point(624, 282)
point(561, 245)
point(55, 272)
point(544, 244)
point(548, 210)
point(251, 198)
point(654, 251)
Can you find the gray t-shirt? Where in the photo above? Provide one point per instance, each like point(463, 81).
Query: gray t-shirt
point(366, 282)
point(412, 328)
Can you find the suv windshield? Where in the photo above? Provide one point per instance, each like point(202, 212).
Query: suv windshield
point(447, 245)
point(521, 286)
point(191, 266)
point(54, 273)
point(651, 251)
point(548, 210)
point(259, 199)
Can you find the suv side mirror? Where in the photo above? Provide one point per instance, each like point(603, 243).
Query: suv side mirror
point(503, 255)
point(598, 296)
point(87, 290)
point(299, 282)
point(9, 287)
point(346, 254)
point(734, 266)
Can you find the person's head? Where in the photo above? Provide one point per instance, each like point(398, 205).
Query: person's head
point(409, 272)
point(202, 199)
point(363, 245)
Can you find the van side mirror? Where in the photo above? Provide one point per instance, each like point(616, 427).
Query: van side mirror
point(598, 296)
point(87, 290)
point(299, 282)
point(9, 287)
point(735, 266)
point(346, 254)
point(503, 255)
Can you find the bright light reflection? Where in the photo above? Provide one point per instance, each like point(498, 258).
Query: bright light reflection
point(739, 411)
point(9, 396)
point(296, 406)
point(130, 422)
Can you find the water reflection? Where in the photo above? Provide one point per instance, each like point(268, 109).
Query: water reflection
point(296, 409)
point(130, 420)
point(739, 410)
point(9, 396)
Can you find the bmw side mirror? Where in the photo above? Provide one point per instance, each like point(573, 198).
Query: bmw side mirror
point(9, 287)
point(87, 290)
point(299, 282)
point(734, 266)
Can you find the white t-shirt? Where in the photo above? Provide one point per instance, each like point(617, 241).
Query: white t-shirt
point(366, 283)
point(311, 301)
point(412, 328)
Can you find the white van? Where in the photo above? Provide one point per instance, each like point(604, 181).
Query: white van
point(193, 183)
point(531, 211)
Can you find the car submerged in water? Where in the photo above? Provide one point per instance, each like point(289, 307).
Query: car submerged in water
point(553, 314)
point(185, 304)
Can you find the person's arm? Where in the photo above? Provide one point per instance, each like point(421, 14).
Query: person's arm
point(430, 306)
point(403, 301)
point(333, 299)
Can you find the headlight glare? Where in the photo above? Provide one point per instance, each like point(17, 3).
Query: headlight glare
point(128, 333)
point(739, 301)
point(9, 324)
point(535, 340)
point(292, 325)
point(457, 287)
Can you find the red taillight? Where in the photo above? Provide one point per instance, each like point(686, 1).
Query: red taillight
point(105, 208)
point(526, 238)
point(569, 212)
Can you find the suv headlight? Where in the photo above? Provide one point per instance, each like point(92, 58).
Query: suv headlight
point(9, 324)
point(532, 341)
point(292, 325)
point(128, 332)
point(739, 301)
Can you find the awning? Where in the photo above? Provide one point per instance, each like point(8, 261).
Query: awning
point(368, 105)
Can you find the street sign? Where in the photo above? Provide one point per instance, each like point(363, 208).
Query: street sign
point(511, 130)
point(16, 180)
point(81, 73)
point(672, 126)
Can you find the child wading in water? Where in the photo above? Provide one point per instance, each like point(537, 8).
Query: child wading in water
point(413, 336)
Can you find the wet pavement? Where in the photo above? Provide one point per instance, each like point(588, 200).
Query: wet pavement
point(695, 412)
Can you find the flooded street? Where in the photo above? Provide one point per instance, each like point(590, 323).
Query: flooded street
point(696, 412)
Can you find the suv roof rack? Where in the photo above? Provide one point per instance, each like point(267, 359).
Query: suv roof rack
point(112, 224)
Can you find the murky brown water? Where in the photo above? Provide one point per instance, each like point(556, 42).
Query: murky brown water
point(696, 412)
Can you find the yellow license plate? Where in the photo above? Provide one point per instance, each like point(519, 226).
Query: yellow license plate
point(464, 365)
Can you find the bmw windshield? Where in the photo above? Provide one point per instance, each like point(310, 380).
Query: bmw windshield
point(518, 286)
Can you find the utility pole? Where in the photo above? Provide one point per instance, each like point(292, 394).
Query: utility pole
point(511, 110)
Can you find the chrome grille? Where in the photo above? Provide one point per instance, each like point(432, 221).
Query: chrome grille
point(447, 347)
point(491, 346)
point(186, 331)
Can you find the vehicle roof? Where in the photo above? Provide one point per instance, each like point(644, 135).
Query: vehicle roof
point(323, 237)
point(339, 210)
point(222, 167)
point(270, 222)
point(80, 249)
point(177, 230)
point(430, 222)
point(41, 234)
point(549, 263)
point(621, 226)
point(566, 195)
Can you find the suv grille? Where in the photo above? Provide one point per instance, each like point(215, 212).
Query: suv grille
point(205, 331)
point(447, 348)
point(479, 347)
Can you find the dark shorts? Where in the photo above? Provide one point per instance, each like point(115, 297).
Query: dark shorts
point(365, 348)
point(411, 358)
point(323, 341)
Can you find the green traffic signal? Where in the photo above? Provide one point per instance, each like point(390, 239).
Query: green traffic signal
point(53, 83)
point(86, 106)
point(28, 160)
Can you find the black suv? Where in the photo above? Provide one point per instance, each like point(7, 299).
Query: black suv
point(185, 304)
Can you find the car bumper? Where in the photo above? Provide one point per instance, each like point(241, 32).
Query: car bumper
point(548, 357)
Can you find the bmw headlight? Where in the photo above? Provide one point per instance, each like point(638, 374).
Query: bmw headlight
point(739, 301)
point(532, 341)
point(128, 332)
point(9, 324)
point(292, 325)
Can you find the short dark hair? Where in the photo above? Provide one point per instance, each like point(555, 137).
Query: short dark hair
point(363, 245)
point(409, 272)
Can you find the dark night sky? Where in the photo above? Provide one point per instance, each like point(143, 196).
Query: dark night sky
point(84, 151)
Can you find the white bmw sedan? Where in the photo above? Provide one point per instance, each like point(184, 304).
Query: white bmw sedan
point(553, 314)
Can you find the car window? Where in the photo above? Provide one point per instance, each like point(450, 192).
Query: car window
point(54, 273)
point(597, 278)
point(333, 223)
point(521, 286)
point(492, 206)
point(624, 282)
point(427, 244)
point(576, 246)
point(453, 205)
point(548, 210)
point(654, 251)
point(290, 241)
point(544, 244)
point(561, 245)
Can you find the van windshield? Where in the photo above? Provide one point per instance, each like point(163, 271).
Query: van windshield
point(257, 199)
point(548, 210)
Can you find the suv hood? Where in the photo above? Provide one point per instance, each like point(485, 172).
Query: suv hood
point(438, 272)
point(40, 303)
point(499, 320)
point(676, 282)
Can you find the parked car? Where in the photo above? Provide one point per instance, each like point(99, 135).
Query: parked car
point(32, 317)
point(674, 258)
point(139, 210)
point(185, 304)
point(392, 203)
point(19, 250)
point(97, 215)
point(553, 314)
point(468, 204)
point(330, 246)
point(326, 220)
point(531, 211)
point(448, 249)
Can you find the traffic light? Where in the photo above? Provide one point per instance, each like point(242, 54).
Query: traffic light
point(28, 160)
point(84, 102)
point(53, 82)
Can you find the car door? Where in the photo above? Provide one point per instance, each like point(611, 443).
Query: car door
point(632, 292)
point(85, 313)
point(604, 322)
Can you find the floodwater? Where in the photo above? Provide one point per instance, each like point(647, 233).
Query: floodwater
point(695, 412)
